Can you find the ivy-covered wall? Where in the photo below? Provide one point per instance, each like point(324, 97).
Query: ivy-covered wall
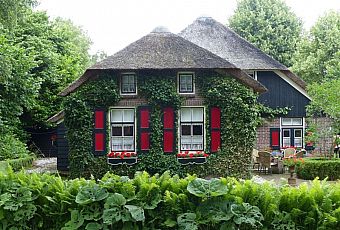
point(240, 115)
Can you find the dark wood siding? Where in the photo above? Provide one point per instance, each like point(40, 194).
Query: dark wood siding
point(281, 94)
point(62, 161)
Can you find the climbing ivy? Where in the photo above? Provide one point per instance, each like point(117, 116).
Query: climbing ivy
point(79, 108)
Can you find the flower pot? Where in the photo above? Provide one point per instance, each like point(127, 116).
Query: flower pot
point(119, 161)
point(292, 181)
point(194, 160)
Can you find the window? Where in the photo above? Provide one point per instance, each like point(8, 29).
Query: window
point(128, 83)
point(286, 138)
point(291, 121)
point(252, 73)
point(191, 129)
point(186, 82)
point(292, 132)
point(122, 129)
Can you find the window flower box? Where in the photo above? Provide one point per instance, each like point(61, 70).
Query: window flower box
point(118, 158)
point(189, 157)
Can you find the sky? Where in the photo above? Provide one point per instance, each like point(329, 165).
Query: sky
point(114, 24)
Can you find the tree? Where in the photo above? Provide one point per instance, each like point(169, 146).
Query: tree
point(18, 87)
point(61, 51)
point(270, 25)
point(12, 11)
point(317, 58)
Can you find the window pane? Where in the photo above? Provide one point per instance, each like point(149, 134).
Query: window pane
point(128, 130)
point(297, 121)
point(286, 133)
point(185, 143)
point(186, 130)
point(117, 143)
point(129, 115)
point(128, 83)
point(116, 131)
point(197, 143)
point(298, 142)
point(197, 114)
point(297, 133)
point(128, 143)
point(197, 129)
point(185, 83)
point(185, 115)
point(286, 121)
point(286, 142)
point(116, 115)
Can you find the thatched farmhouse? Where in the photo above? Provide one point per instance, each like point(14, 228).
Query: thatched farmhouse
point(183, 96)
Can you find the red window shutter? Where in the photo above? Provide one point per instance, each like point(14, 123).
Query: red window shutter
point(275, 138)
point(168, 130)
point(144, 127)
point(215, 129)
point(99, 132)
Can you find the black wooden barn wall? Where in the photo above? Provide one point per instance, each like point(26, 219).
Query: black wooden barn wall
point(281, 94)
point(62, 162)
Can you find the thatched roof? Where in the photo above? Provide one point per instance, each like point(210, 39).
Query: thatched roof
point(161, 49)
point(222, 41)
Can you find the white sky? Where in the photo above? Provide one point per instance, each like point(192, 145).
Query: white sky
point(113, 24)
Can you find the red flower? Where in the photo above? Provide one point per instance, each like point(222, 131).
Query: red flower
point(191, 155)
point(127, 154)
point(205, 155)
point(121, 156)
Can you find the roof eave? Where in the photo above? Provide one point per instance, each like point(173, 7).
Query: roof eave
point(244, 78)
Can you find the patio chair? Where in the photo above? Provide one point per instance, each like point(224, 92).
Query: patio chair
point(288, 152)
point(300, 154)
point(255, 157)
point(265, 162)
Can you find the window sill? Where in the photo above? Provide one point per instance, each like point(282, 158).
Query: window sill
point(128, 95)
point(194, 160)
point(120, 161)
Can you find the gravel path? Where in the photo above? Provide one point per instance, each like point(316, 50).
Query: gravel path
point(42, 165)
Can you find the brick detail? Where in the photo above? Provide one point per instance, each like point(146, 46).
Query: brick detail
point(325, 143)
point(263, 133)
point(132, 102)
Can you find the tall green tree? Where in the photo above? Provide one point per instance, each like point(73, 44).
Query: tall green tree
point(317, 61)
point(38, 58)
point(12, 11)
point(61, 50)
point(317, 58)
point(270, 25)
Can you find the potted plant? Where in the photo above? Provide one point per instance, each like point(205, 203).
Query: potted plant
point(117, 158)
point(291, 164)
point(192, 157)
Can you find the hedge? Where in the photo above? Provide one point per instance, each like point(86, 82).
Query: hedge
point(319, 167)
point(18, 164)
point(43, 201)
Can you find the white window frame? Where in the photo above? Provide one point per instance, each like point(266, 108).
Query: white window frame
point(252, 73)
point(179, 82)
point(121, 83)
point(291, 125)
point(122, 125)
point(192, 123)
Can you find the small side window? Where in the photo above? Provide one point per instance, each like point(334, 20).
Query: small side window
point(128, 84)
point(186, 83)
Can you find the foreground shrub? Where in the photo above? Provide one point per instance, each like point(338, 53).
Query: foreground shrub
point(319, 167)
point(12, 148)
point(163, 202)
